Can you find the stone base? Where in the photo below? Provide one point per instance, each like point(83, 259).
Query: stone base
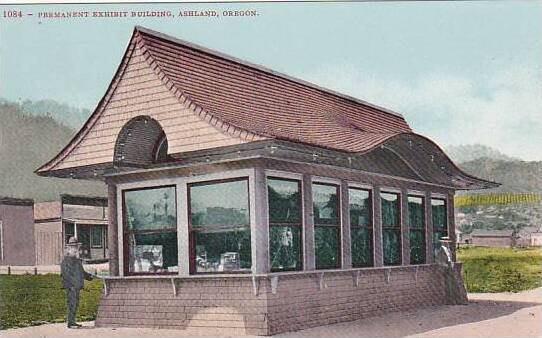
point(270, 304)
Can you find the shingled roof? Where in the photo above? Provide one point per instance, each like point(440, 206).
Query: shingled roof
point(252, 102)
point(268, 103)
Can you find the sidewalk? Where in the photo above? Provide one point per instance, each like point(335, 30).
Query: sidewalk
point(487, 315)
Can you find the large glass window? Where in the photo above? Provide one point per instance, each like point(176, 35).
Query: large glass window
point(416, 225)
point(361, 227)
point(440, 222)
point(327, 229)
point(96, 236)
point(69, 231)
point(219, 226)
point(150, 230)
point(285, 230)
point(391, 228)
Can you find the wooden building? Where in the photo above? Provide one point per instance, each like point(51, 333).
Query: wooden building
point(16, 231)
point(496, 238)
point(243, 199)
point(81, 216)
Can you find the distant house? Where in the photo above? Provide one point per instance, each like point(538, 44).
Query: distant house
point(524, 236)
point(16, 233)
point(536, 238)
point(495, 238)
point(80, 216)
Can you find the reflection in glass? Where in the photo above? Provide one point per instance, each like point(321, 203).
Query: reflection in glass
point(362, 246)
point(284, 201)
point(325, 204)
point(223, 251)
point(224, 203)
point(361, 227)
point(326, 225)
point(438, 208)
point(285, 247)
point(440, 224)
point(150, 209)
point(392, 246)
point(416, 223)
point(220, 226)
point(391, 228)
point(153, 252)
point(360, 207)
point(326, 243)
point(390, 210)
point(151, 230)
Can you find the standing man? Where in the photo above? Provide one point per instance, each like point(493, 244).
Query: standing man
point(72, 273)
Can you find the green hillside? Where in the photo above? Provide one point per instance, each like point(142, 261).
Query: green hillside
point(26, 142)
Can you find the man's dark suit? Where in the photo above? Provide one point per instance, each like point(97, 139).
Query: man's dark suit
point(73, 275)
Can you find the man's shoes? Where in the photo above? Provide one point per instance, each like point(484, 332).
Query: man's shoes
point(74, 325)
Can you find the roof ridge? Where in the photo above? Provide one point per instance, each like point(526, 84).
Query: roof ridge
point(261, 68)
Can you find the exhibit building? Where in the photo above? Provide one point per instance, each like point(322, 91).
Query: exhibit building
point(244, 200)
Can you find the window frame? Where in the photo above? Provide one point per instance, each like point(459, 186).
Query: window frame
point(338, 226)
point(370, 227)
point(126, 232)
point(398, 228)
point(191, 238)
point(423, 229)
point(300, 224)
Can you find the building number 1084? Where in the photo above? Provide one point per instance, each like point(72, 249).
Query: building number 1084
point(13, 14)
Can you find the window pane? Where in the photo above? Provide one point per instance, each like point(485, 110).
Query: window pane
point(69, 231)
point(220, 251)
point(415, 212)
point(417, 246)
point(437, 236)
point(392, 246)
point(362, 247)
point(150, 209)
point(153, 253)
point(390, 215)
point(284, 200)
point(285, 247)
point(223, 203)
point(326, 247)
point(360, 205)
point(325, 204)
point(438, 208)
point(96, 236)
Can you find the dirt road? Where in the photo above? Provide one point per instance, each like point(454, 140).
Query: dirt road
point(487, 315)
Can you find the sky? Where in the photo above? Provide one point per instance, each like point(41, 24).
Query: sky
point(459, 72)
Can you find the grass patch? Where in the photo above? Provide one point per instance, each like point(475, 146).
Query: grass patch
point(27, 300)
point(501, 269)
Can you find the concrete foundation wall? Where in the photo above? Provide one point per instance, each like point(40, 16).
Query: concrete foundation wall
point(270, 304)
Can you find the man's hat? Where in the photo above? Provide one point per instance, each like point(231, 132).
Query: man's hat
point(73, 241)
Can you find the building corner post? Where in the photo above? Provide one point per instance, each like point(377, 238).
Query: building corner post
point(451, 224)
point(113, 230)
point(309, 262)
point(346, 253)
point(429, 256)
point(260, 231)
point(405, 229)
point(378, 245)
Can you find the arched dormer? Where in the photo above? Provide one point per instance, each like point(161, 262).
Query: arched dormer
point(141, 142)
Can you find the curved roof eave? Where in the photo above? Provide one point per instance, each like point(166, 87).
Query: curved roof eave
point(471, 182)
